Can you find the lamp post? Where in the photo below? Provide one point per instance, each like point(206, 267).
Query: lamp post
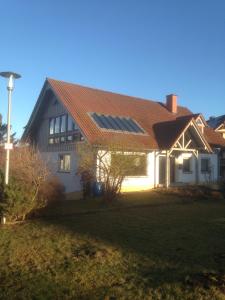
point(8, 146)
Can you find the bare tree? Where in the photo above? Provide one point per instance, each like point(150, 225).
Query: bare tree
point(110, 164)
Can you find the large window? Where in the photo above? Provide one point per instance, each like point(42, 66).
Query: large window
point(63, 123)
point(187, 165)
point(71, 125)
point(205, 165)
point(57, 125)
point(134, 165)
point(62, 129)
point(64, 162)
point(51, 126)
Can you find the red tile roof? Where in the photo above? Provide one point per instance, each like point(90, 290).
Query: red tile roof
point(80, 101)
point(168, 132)
point(162, 127)
point(214, 138)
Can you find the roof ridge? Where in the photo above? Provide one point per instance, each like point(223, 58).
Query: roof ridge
point(110, 92)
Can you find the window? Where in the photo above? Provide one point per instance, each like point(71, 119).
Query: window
point(69, 138)
point(62, 129)
point(205, 165)
point(117, 123)
point(63, 123)
point(57, 125)
point(51, 126)
point(186, 165)
point(135, 165)
point(51, 141)
point(56, 140)
point(71, 125)
point(64, 162)
point(62, 139)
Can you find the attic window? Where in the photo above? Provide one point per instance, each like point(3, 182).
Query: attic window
point(115, 123)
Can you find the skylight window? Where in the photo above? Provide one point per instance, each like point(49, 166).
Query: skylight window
point(116, 123)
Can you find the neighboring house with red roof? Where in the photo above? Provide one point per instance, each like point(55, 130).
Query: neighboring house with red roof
point(174, 145)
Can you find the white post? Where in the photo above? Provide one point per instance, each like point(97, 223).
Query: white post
point(167, 169)
point(10, 89)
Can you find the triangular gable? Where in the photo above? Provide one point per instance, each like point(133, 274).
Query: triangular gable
point(200, 120)
point(221, 127)
point(46, 93)
point(191, 139)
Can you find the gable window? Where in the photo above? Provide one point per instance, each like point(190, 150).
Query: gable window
point(205, 165)
point(51, 126)
point(62, 139)
point(71, 125)
point(63, 129)
point(64, 162)
point(187, 165)
point(63, 123)
point(56, 140)
point(134, 165)
point(51, 141)
point(57, 125)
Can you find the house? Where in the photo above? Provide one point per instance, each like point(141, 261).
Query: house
point(218, 124)
point(173, 145)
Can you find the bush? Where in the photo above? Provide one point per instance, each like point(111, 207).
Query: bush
point(17, 199)
point(52, 190)
point(30, 187)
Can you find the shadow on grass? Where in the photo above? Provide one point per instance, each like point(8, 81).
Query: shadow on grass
point(160, 245)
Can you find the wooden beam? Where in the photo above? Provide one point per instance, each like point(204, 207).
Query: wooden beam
point(179, 144)
point(182, 149)
point(188, 144)
point(183, 146)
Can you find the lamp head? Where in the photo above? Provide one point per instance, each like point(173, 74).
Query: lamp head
point(11, 76)
point(8, 74)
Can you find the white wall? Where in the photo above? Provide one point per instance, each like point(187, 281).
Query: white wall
point(181, 177)
point(185, 177)
point(71, 181)
point(214, 167)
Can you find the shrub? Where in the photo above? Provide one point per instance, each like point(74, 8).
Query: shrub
point(52, 190)
point(18, 199)
point(30, 186)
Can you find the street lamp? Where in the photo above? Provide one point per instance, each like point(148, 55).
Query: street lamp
point(8, 146)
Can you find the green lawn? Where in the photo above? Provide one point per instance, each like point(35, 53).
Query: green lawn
point(160, 250)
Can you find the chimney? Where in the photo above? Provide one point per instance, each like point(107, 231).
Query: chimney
point(171, 103)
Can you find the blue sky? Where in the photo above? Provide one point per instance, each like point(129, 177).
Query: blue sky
point(146, 48)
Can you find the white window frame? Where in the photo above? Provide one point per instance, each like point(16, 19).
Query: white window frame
point(62, 168)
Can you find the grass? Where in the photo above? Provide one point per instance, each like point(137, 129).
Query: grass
point(173, 250)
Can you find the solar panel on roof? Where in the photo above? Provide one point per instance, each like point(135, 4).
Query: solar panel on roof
point(133, 124)
point(117, 123)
